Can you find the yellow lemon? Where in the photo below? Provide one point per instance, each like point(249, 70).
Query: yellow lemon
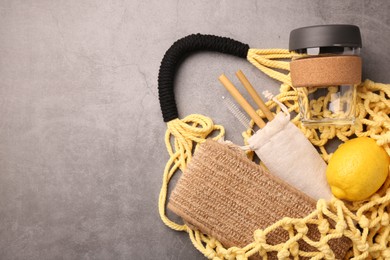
point(357, 169)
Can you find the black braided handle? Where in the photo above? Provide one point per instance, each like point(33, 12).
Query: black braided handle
point(182, 47)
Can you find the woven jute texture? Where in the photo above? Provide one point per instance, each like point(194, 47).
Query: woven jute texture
point(225, 195)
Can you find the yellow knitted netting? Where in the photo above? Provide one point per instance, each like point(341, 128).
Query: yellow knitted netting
point(365, 223)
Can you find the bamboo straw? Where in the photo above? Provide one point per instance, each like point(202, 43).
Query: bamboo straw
point(248, 86)
point(241, 100)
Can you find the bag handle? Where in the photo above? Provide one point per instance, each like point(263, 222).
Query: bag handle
point(180, 49)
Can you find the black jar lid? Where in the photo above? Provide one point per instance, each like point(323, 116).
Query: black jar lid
point(340, 35)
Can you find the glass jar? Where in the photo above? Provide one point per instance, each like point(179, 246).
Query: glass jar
point(325, 70)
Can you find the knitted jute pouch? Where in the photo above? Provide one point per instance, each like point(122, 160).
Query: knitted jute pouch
point(232, 208)
point(224, 194)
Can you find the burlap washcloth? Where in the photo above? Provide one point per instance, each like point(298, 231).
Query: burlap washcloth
point(227, 196)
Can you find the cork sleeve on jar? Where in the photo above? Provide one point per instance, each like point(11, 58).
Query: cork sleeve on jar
point(326, 71)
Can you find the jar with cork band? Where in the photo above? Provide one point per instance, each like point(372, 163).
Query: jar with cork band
point(325, 70)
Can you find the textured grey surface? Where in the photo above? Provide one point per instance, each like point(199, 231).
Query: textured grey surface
point(81, 133)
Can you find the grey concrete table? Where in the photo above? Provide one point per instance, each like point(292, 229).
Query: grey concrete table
point(81, 133)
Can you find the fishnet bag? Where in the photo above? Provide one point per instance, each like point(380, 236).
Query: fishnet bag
point(364, 223)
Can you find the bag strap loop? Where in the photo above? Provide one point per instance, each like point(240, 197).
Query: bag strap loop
point(181, 48)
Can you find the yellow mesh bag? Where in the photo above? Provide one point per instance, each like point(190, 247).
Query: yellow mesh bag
point(366, 223)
